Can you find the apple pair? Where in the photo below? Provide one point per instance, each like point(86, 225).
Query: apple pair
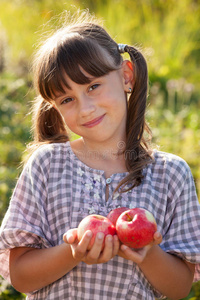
point(134, 227)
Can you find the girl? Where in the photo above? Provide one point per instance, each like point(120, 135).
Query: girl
point(84, 84)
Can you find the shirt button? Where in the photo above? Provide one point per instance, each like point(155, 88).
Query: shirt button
point(108, 180)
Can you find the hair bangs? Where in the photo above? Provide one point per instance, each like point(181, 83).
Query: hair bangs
point(75, 56)
point(86, 54)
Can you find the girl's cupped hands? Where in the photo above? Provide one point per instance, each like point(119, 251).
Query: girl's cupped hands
point(95, 255)
point(112, 247)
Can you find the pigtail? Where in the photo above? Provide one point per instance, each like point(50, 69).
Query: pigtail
point(48, 125)
point(137, 102)
point(137, 152)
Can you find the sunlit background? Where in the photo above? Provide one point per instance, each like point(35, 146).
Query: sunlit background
point(167, 31)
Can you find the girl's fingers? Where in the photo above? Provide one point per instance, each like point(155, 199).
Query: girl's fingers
point(157, 237)
point(116, 245)
point(95, 251)
point(95, 254)
point(70, 236)
point(98, 255)
point(111, 248)
point(137, 255)
point(79, 250)
point(107, 252)
point(125, 248)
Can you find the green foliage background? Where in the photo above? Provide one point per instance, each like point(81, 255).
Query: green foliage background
point(167, 31)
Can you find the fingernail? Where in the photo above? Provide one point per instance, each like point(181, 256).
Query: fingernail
point(158, 235)
point(109, 238)
point(68, 236)
point(124, 247)
point(115, 237)
point(89, 233)
point(100, 235)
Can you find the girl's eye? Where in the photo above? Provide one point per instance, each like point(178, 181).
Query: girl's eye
point(93, 87)
point(67, 100)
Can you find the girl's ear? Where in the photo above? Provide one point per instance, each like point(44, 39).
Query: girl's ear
point(128, 75)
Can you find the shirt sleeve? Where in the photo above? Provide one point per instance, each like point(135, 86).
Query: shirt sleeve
point(182, 220)
point(25, 223)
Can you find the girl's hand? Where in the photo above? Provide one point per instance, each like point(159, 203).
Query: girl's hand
point(139, 255)
point(95, 255)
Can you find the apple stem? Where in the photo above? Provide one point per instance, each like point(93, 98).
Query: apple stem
point(129, 217)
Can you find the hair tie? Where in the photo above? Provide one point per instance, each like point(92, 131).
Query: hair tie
point(121, 48)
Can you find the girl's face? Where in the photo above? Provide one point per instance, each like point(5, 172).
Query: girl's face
point(96, 111)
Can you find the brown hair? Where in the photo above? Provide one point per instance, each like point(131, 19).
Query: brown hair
point(82, 45)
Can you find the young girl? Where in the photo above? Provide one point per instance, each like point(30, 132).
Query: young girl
point(84, 84)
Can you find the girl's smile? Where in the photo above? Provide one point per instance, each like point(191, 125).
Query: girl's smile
point(94, 122)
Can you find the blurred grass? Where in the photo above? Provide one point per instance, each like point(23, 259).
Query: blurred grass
point(168, 34)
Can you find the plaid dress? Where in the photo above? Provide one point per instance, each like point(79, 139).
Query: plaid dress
point(56, 190)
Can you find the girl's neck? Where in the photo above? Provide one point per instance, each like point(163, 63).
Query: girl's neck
point(107, 158)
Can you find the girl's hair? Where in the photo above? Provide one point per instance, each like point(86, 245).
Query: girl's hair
point(82, 45)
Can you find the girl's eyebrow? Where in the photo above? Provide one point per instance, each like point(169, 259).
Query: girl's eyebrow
point(59, 95)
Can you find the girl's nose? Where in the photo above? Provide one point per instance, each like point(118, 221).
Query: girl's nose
point(86, 106)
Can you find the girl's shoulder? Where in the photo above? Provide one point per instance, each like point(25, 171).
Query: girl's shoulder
point(170, 174)
point(170, 163)
point(168, 158)
point(50, 153)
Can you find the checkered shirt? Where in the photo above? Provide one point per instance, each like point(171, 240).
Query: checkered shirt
point(56, 191)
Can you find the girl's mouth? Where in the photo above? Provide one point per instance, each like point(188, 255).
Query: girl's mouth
point(94, 122)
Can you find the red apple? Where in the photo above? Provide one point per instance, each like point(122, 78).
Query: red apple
point(115, 213)
point(136, 227)
point(95, 223)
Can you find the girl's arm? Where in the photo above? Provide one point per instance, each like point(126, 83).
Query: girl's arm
point(167, 273)
point(32, 269)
